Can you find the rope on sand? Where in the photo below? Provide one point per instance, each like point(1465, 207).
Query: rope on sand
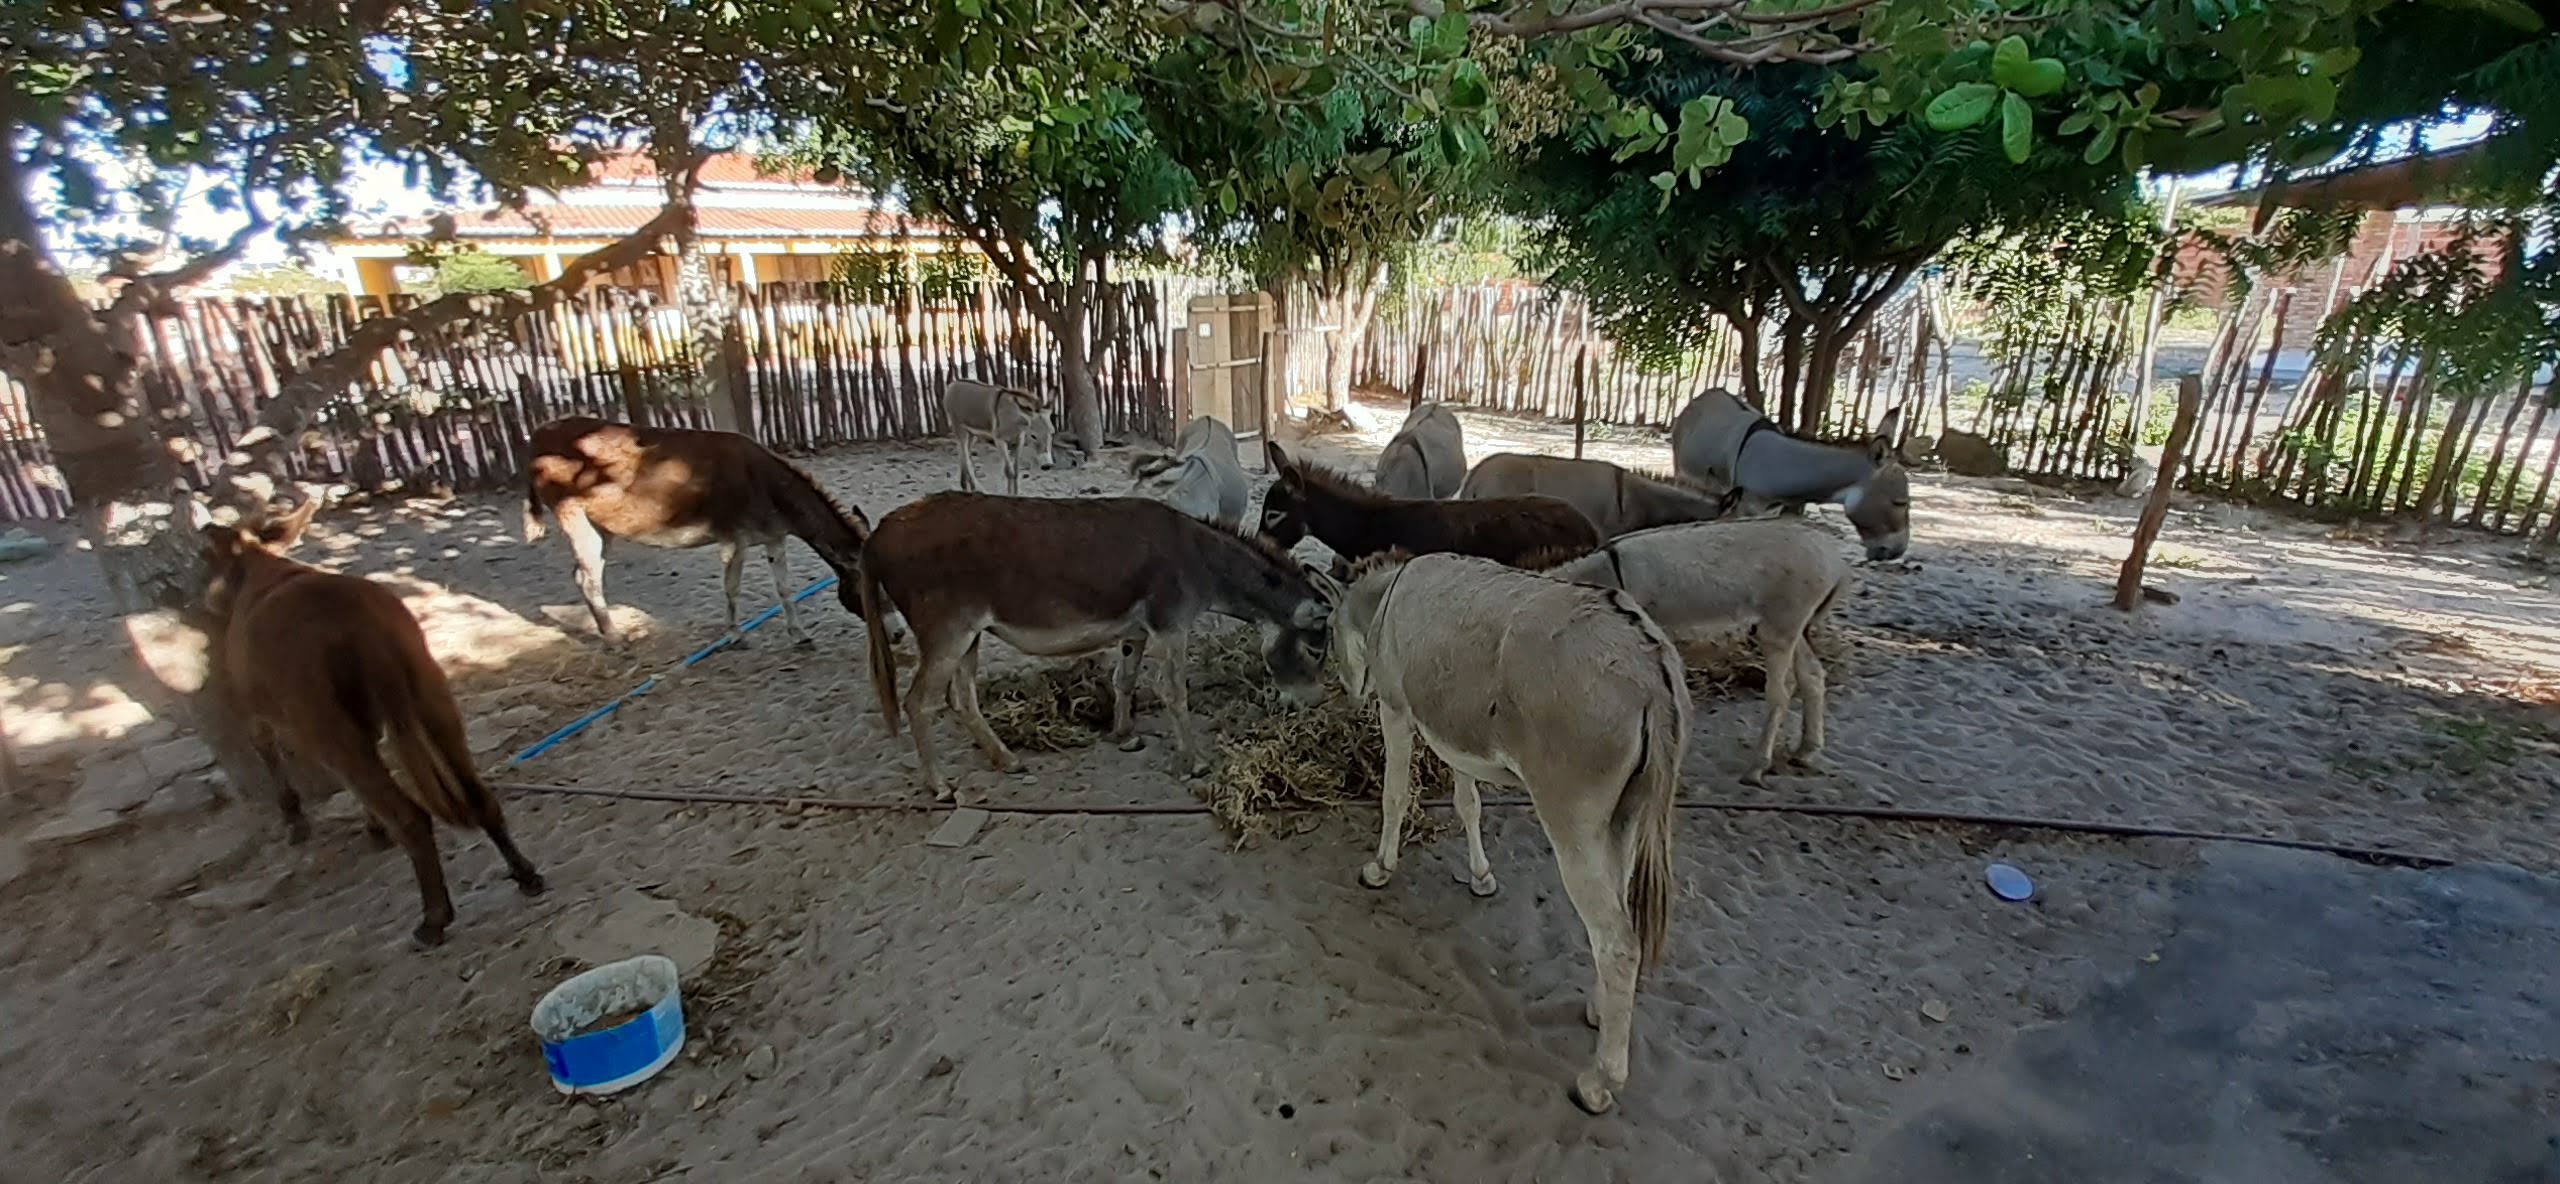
point(724, 641)
point(2126, 830)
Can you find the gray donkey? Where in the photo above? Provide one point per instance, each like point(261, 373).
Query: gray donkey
point(1720, 439)
point(1201, 478)
point(1427, 458)
point(1010, 419)
point(1701, 580)
point(1563, 689)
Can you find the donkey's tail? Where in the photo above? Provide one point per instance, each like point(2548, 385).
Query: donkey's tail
point(425, 729)
point(875, 629)
point(532, 509)
point(1647, 806)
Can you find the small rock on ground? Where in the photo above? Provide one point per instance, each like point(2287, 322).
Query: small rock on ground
point(74, 826)
point(245, 894)
point(760, 1063)
point(957, 830)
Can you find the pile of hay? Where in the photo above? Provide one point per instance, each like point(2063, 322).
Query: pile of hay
point(1277, 760)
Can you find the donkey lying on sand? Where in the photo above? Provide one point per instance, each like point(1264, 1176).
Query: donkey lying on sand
point(680, 487)
point(1202, 478)
point(1427, 458)
point(1009, 419)
point(1565, 690)
point(1060, 577)
point(1702, 580)
point(1719, 439)
point(1615, 500)
point(325, 666)
point(1357, 521)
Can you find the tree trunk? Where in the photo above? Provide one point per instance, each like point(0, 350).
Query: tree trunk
point(702, 294)
point(1351, 306)
point(2146, 530)
point(1075, 362)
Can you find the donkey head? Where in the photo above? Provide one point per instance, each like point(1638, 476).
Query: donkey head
point(1880, 506)
point(1039, 427)
point(1282, 520)
point(229, 550)
point(1294, 647)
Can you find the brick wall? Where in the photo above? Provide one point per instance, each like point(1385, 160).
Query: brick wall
point(2202, 275)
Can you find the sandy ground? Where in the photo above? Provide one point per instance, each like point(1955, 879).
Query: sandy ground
point(1107, 998)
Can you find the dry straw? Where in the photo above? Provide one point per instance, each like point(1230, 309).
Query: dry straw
point(1278, 762)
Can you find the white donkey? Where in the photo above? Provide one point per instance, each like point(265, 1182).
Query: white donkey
point(1011, 419)
point(1563, 689)
point(1704, 579)
point(1202, 478)
point(1719, 439)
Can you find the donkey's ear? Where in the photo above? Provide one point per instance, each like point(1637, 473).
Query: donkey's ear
point(1274, 456)
point(1887, 432)
point(1326, 586)
point(280, 534)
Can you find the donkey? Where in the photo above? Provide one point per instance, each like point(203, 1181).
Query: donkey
point(1428, 456)
point(1614, 499)
point(1061, 577)
point(1704, 579)
point(325, 666)
point(1357, 521)
point(1565, 690)
point(1718, 438)
point(1201, 478)
point(681, 487)
point(1010, 419)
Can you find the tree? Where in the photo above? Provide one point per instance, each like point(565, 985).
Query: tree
point(478, 271)
point(113, 115)
point(1016, 122)
point(1802, 235)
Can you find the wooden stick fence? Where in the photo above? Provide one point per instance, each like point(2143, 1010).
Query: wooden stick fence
point(453, 409)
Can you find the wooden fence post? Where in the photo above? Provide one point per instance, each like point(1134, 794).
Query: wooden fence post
point(1421, 369)
point(1580, 407)
point(2147, 530)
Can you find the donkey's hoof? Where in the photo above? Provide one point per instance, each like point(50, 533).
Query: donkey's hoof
point(1132, 743)
point(1007, 763)
point(1756, 778)
point(1588, 1093)
point(1806, 762)
point(1484, 885)
point(532, 884)
point(1374, 875)
point(427, 936)
point(378, 838)
point(804, 642)
point(1591, 1014)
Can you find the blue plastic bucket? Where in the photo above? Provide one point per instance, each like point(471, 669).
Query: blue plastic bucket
point(616, 1058)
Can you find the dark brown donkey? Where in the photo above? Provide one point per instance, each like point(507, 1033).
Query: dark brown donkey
point(324, 666)
point(1060, 577)
point(1357, 521)
point(680, 487)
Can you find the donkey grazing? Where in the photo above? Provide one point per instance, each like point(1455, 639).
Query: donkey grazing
point(325, 666)
point(1427, 458)
point(1718, 438)
point(1060, 577)
point(1201, 478)
point(1565, 690)
point(1009, 419)
point(1615, 500)
point(1357, 521)
point(1701, 580)
point(680, 487)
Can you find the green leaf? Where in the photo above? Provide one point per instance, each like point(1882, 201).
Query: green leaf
point(1962, 106)
point(1451, 34)
point(2009, 62)
point(2017, 128)
point(2076, 123)
point(1467, 89)
point(2329, 63)
point(2101, 145)
point(2042, 77)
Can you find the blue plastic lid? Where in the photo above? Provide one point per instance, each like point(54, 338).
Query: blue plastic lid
point(2008, 882)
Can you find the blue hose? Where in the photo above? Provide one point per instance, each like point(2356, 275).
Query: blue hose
point(725, 640)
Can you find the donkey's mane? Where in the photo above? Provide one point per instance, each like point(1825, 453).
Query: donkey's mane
point(852, 518)
point(1377, 561)
point(1675, 480)
point(1339, 484)
point(1271, 551)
